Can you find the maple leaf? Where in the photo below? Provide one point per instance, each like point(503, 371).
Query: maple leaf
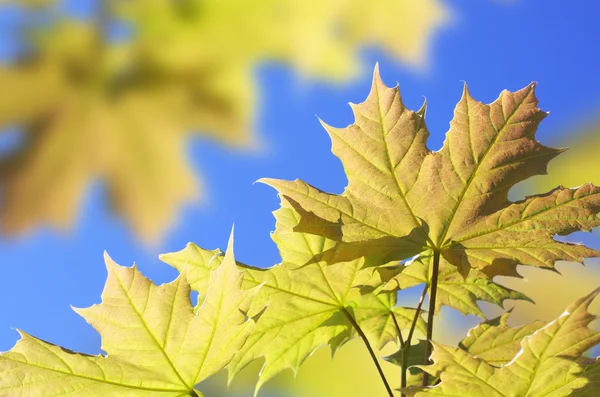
point(454, 290)
point(414, 357)
point(77, 128)
point(321, 39)
point(496, 342)
point(403, 199)
point(157, 343)
point(307, 306)
point(548, 363)
point(121, 111)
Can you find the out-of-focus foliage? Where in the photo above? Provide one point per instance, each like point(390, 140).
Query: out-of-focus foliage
point(96, 104)
point(580, 163)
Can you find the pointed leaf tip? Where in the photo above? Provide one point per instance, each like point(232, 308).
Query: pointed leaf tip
point(229, 259)
point(423, 109)
point(589, 298)
point(376, 69)
point(466, 93)
point(109, 262)
point(376, 77)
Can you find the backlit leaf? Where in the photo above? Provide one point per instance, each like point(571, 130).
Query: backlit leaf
point(496, 342)
point(402, 199)
point(549, 363)
point(157, 343)
point(307, 306)
point(454, 290)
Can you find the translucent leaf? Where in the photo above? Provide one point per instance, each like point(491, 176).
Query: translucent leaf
point(403, 200)
point(308, 306)
point(549, 363)
point(157, 343)
point(454, 290)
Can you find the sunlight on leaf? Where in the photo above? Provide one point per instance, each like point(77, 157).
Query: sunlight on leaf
point(403, 199)
point(307, 306)
point(157, 343)
point(549, 362)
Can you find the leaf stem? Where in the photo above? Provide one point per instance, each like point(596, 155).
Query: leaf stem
point(370, 349)
point(398, 330)
point(406, 349)
point(431, 313)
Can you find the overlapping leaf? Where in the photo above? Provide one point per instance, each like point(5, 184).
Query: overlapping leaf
point(549, 362)
point(454, 290)
point(496, 342)
point(403, 199)
point(157, 343)
point(308, 306)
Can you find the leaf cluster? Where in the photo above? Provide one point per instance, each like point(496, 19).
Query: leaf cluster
point(409, 217)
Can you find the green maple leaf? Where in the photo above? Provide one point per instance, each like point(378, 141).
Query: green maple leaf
point(307, 306)
point(157, 343)
point(495, 342)
point(415, 357)
point(454, 290)
point(549, 362)
point(402, 199)
point(492, 341)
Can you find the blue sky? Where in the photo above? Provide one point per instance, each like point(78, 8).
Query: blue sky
point(491, 45)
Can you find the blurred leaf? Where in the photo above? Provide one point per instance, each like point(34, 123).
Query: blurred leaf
point(121, 109)
point(79, 127)
point(157, 343)
point(322, 39)
point(29, 3)
point(548, 363)
point(579, 164)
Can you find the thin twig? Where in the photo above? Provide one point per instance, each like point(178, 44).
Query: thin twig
point(417, 315)
point(370, 349)
point(398, 330)
point(406, 349)
point(431, 313)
